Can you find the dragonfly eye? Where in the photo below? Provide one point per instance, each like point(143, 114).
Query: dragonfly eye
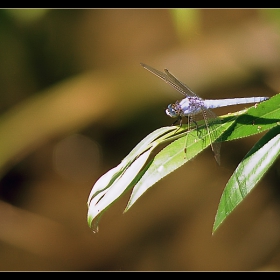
point(172, 111)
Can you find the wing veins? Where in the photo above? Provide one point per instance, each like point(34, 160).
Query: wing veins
point(171, 80)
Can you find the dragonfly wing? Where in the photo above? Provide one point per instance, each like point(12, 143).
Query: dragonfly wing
point(184, 89)
point(211, 121)
point(171, 80)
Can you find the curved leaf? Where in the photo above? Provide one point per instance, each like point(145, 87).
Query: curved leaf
point(248, 173)
point(113, 183)
point(104, 198)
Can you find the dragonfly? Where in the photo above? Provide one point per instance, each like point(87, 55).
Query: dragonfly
point(193, 105)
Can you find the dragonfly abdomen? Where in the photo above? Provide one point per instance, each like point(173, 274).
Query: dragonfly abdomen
point(216, 103)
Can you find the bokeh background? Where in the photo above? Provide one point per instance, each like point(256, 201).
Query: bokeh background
point(74, 101)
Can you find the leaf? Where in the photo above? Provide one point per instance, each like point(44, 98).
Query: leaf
point(97, 205)
point(173, 156)
point(248, 173)
point(256, 119)
point(112, 184)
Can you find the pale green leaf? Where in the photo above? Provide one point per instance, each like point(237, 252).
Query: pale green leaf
point(114, 183)
point(100, 202)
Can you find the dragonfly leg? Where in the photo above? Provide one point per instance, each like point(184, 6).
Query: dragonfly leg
point(181, 120)
point(196, 128)
point(178, 119)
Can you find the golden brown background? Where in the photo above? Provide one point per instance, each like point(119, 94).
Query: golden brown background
point(75, 101)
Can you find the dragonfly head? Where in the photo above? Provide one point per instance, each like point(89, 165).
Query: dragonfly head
point(172, 111)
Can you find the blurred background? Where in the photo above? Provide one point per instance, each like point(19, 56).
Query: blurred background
point(75, 101)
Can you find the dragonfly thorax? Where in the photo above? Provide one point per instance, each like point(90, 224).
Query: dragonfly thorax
point(186, 107)
point(191, 106)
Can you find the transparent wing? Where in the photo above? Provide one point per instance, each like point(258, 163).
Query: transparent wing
point(171, 80)
point(211, 120)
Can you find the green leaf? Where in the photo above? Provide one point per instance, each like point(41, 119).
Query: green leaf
point(248, 173)
point(256, 119)
point(175, 155)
